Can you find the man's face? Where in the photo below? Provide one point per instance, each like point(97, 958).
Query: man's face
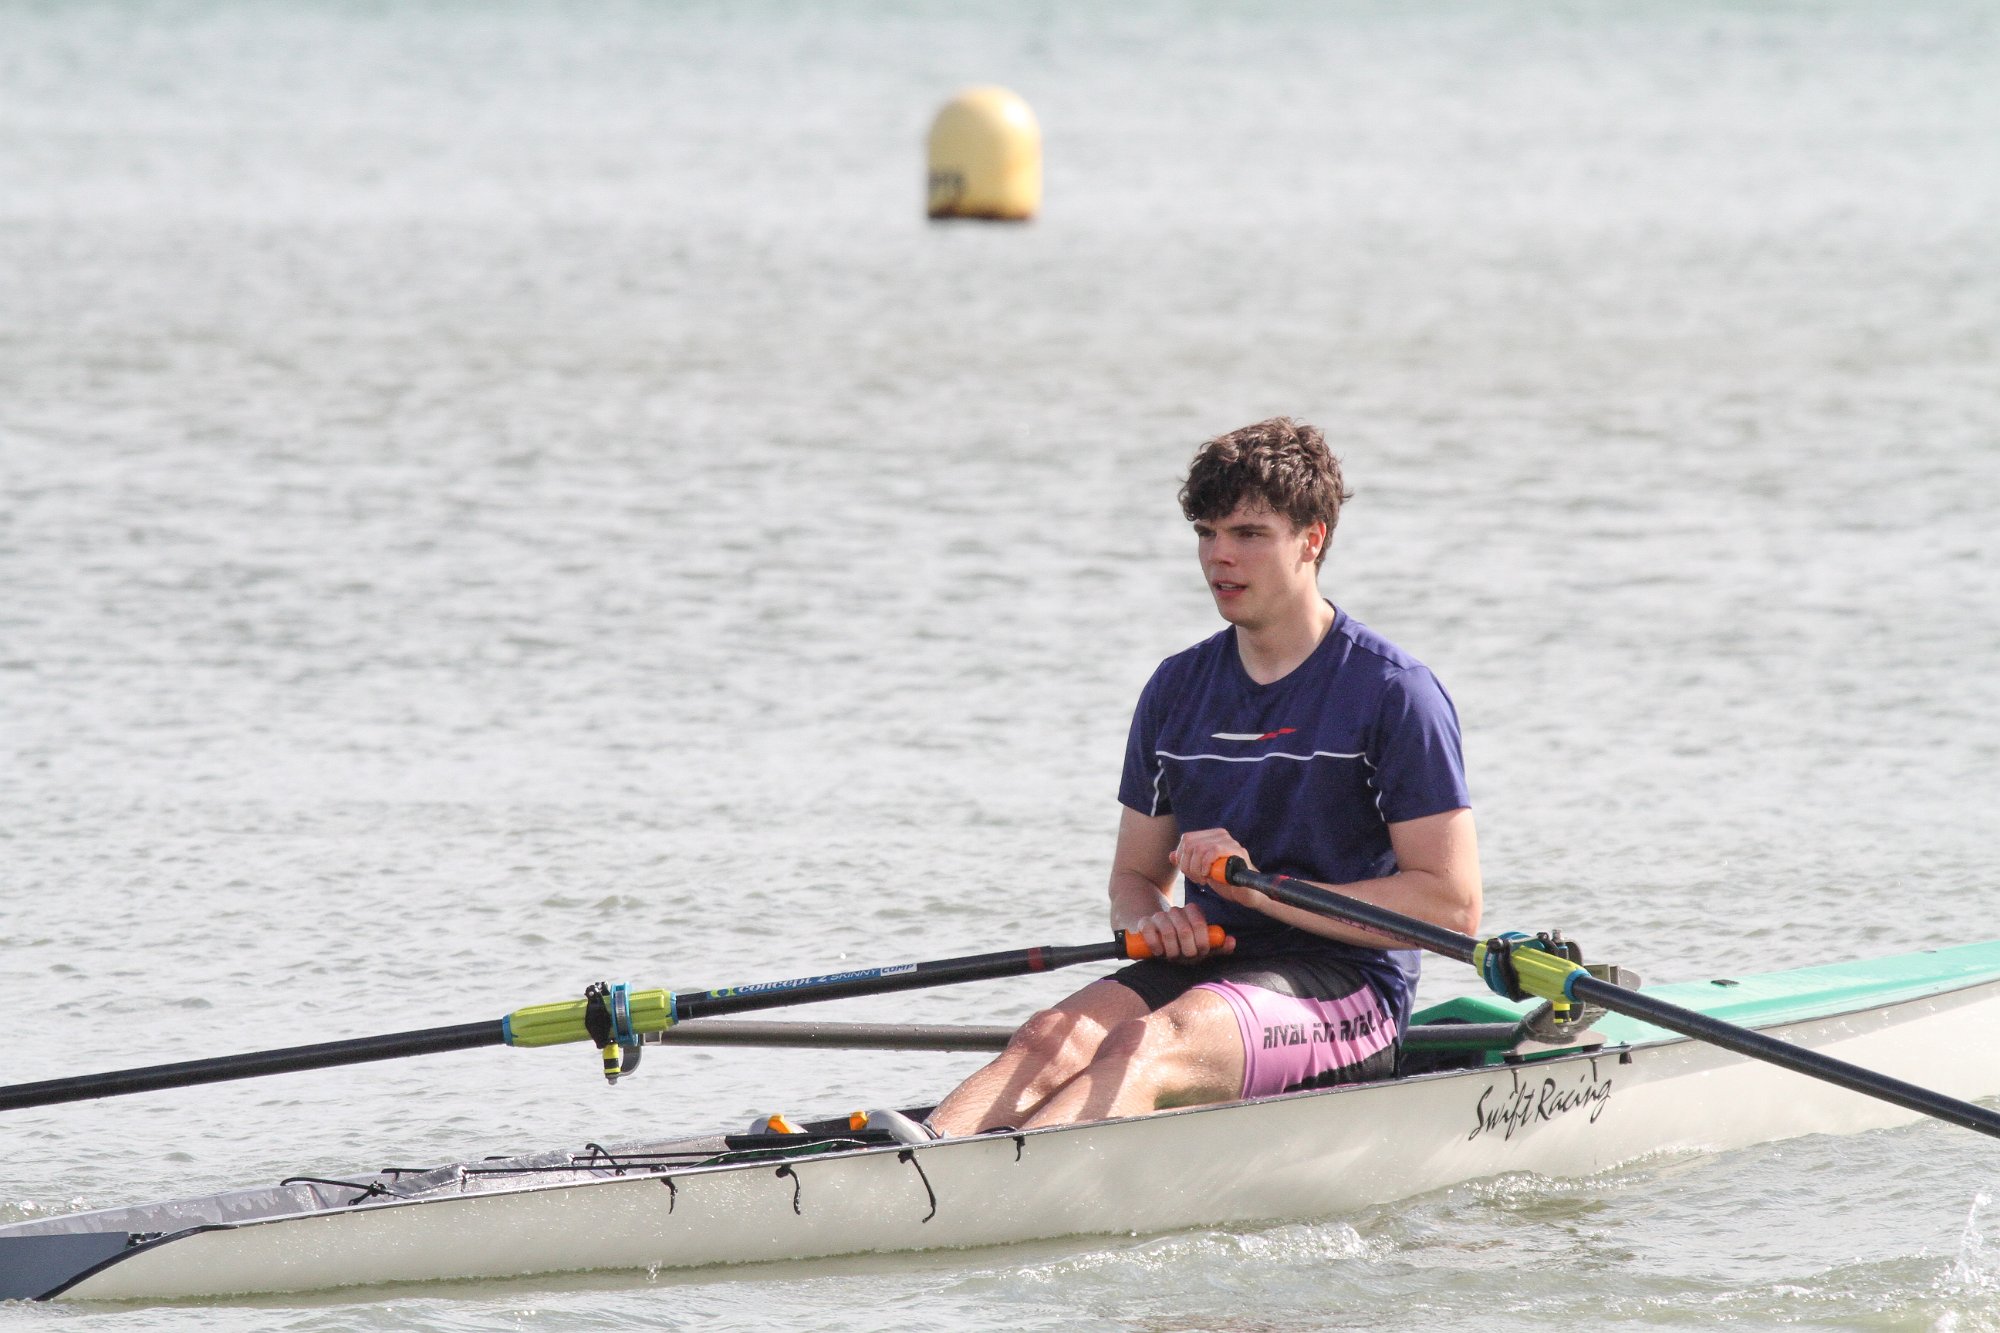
point(1258, 566)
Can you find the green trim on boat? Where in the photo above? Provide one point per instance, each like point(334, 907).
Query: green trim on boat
point(1473, 1009)
point(1756, 1000)
point(1765, 999)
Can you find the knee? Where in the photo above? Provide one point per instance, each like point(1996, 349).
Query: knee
point(1141, 1039)
point(1053, 1037)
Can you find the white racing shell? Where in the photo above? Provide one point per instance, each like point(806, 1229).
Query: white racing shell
point(1928, 1018)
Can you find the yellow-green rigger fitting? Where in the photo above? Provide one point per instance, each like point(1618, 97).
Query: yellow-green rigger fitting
point(1544, 966)
point(564, 1021)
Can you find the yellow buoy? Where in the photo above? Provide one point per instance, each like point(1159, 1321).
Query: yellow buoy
point(986, 158)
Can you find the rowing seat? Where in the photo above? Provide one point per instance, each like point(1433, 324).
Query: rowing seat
point(1471, 1031)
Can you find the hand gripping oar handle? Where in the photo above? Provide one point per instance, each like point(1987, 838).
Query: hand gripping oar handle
point(619, 1013)
point(1136, 946)
point(1535, 971)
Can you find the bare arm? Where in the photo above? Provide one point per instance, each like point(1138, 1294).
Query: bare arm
point(1437, 879)
point(1142, 880)
point(1141, 875)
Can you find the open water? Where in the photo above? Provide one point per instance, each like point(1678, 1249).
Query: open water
point(501, 496)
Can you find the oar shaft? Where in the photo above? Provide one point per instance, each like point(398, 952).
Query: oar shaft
point(1798, 1059)
point(1325, 902)
point(838, 1036)
point(1618, 1000)
point(187, 1073)
point(541, 1025)
point(883, 980)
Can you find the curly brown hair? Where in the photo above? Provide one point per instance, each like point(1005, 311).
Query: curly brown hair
point(1281, 464)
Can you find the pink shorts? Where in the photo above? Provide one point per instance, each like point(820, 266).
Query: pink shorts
point(1289, 1042)
point(1306, 1022)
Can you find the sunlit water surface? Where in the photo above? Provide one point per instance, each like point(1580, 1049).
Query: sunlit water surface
point(499, 497)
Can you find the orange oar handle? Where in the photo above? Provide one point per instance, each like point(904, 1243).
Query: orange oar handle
point(1135, 943)
point(1218, 872)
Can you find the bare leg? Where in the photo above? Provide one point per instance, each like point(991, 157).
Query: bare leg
point(1045, 1053)
point(1183, 1055)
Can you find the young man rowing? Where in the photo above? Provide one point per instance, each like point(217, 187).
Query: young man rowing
point(1302, 742)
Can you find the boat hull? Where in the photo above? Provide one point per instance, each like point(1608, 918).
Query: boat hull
point(1299, 1156)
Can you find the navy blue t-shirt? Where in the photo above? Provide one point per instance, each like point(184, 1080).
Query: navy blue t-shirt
point(1307, 773)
